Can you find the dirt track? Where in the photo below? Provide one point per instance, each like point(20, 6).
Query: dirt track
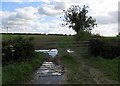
point(89, 74)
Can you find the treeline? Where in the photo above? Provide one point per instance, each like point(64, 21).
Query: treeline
point(105, 47)
point(35, 34)
point(17, 49)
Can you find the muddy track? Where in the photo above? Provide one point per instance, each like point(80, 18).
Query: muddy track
point(92, 75)
point(87, 74)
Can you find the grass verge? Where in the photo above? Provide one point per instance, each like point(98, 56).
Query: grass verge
point(20, 71)
point(108, 66)
point(74, 75)
point(71, 65)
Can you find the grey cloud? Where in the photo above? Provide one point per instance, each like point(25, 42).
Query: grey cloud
point(60, 5)
point(114, 14)
point(25, 16)
point(11, 21)
point(50, 10)
point(110, 18)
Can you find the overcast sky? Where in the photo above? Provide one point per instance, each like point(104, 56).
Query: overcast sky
point(43, 16)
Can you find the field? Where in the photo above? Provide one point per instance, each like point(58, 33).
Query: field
point(42, 41)
point(81, 67)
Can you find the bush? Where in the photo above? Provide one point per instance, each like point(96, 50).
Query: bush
point(97, 35)
point(17, 49)
point(83, 36)
point(19, 72)
point(96, 47)
point(105, 48)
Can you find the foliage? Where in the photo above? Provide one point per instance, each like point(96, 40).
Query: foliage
point(83, 36)
point(77, 18)
point(97, 35)
point(17, 49)
point(21, 71)
point(105, 48)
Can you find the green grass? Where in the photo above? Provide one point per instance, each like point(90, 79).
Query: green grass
point(43, 41)
point(107, 66)
point(21, 71)
point(75, 74)
point(40, 37)
point(72, 70)
point(70, 60)
point(0, 75)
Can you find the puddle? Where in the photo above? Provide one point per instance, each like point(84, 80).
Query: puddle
point(51, 52)
point(70, 51)
point(44, 51)
point(49, 73)
point(49, 80)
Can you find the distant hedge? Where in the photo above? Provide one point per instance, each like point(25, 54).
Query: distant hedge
point(17, 49)
point(106, 48)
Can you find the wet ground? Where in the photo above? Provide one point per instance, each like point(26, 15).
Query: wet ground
point(49, 73)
